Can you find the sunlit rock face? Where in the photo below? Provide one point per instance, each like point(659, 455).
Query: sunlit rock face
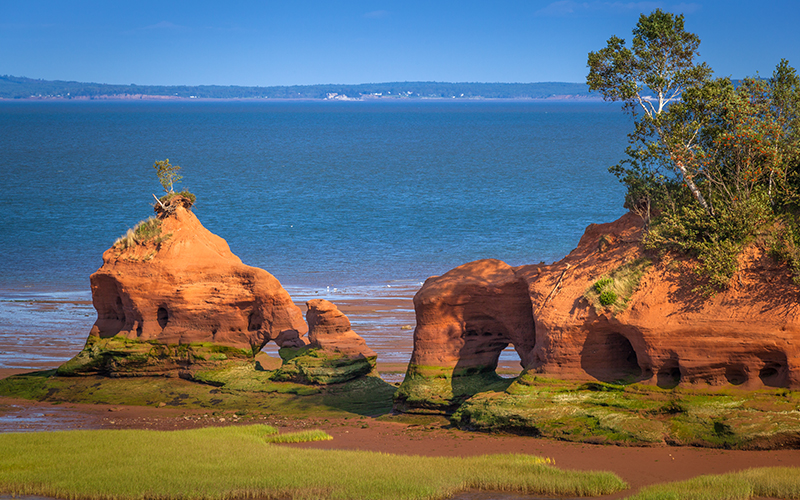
point(179, 284)
point(335, 353)
point(664, 333)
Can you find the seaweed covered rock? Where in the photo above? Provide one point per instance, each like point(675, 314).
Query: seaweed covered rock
point(171, 295)
point(335, 353)
point(608, 311)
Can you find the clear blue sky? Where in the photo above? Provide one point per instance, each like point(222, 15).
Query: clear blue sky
point(322, 41)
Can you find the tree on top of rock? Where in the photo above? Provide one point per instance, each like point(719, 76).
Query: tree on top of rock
point(661, 61)
point(167, 175)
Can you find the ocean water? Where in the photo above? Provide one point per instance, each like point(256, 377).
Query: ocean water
point(356, 199)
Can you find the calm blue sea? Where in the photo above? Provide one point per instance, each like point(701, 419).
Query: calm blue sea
point(367, 198)
point(318, 193)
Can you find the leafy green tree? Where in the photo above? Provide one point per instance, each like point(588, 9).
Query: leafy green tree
point(718, 163)
point(167, 175)
point(649, 77)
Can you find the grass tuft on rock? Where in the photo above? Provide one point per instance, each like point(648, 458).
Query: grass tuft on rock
point(144, 232)
point(613, 291)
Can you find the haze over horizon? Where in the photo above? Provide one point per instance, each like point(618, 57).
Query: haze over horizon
point(271, 43)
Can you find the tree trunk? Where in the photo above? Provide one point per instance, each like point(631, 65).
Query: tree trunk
point(693, 188)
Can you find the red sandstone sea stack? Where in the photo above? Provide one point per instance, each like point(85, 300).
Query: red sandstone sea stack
point(185, 285)
point(172, 299)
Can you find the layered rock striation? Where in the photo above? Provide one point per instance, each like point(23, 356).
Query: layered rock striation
point(659, 330)
point(171, 298)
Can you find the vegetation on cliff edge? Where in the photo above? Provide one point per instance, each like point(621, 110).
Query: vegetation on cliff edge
point(711, 166)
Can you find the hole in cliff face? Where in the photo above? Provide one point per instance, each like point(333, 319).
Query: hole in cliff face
point(509, 363)
point(253, 321)
point(773, 374)
point(484, 342)
point(163, 317)
point(669, 375)
point(119, 309)
point(610, 357)
point(736, 374)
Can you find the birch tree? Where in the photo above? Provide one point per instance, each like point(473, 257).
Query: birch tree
point(649, 78)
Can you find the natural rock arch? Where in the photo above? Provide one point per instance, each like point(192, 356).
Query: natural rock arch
point(465, 319)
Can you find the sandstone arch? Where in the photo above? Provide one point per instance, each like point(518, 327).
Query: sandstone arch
point(465, 319)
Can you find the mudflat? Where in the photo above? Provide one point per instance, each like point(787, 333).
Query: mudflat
point(429, 436)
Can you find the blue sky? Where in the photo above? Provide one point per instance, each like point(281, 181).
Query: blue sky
point(307, 42)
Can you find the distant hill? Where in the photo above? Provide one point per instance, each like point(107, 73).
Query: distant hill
point(12, 87)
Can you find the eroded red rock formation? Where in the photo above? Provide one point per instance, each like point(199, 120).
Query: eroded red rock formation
point(666, 334)
point(184, 285)
point(172, 299)
point(329, 329)
point(467, 316)
point(335, 352)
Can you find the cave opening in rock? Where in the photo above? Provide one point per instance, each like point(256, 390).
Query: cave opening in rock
point(736, 374)
point(669, 375)
point(119, 309)
point(163, 317)
point(610, 357)
point(253, 321)
point(772, 374)
point(482, 349)
point(509, 362)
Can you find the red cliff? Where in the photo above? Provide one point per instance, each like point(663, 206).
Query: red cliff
point(661, 332)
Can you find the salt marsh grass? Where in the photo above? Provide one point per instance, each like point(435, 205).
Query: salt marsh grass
point(767, 482)
point(300, 437)
point(236, 462)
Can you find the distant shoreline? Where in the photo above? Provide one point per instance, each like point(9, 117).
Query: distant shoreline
point(144, 97)
point(13, 87)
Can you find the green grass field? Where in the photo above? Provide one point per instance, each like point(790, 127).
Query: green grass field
point(768, 482)
point(238, 462)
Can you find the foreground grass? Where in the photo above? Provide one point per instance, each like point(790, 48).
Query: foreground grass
point(768, 482)
point(237, 462)
point(300, 437)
